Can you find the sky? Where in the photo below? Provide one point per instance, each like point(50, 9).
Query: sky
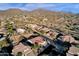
point(65, 7)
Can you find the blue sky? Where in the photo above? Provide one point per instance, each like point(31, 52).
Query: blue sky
point(66, 7)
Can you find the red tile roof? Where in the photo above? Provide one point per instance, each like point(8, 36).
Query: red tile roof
point(37, 40)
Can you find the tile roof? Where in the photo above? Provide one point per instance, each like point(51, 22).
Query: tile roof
point(37, 40)
point(73, 50)
point(69, 39)
point(21, 48)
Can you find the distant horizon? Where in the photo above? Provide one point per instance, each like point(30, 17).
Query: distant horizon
point(58, 7)
point(36, 9)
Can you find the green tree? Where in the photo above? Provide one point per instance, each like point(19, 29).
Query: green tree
point(9, 27)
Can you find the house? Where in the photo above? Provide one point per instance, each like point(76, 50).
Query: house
point(38, 40)
point(25, 50)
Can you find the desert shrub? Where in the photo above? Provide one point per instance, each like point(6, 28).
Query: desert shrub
point(42, 32)
point(19, 54)
point(9, 27)
point(76, 36)
point(77, 46)
point(3, 43)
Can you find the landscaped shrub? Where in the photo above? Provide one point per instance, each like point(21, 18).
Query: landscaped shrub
point(19, 54)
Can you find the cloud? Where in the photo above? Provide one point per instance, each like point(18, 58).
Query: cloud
point(4, 6)
point(36, 6)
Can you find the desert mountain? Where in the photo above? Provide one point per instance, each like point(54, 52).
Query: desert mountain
point(10, 12)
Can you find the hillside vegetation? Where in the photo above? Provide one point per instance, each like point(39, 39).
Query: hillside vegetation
point(67, 23)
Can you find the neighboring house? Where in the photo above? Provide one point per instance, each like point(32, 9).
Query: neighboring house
point(70, 39)
point(34, 26)
point(73, 51)
point(52, 34)
point(25, 50)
